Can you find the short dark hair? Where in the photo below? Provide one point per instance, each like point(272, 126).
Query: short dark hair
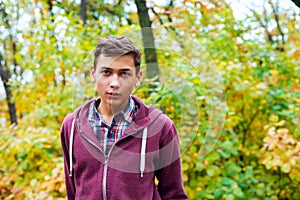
point(112, 46)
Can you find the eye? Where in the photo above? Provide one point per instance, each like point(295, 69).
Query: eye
point(125, 74)
point(105, 72)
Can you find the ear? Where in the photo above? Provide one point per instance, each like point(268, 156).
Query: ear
point(139, 79)
point(92, 73)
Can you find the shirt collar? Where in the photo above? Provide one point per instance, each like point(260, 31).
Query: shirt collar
point(127, 113)
point(93, 113)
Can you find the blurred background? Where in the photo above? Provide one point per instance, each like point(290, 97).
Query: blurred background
point(238, 61)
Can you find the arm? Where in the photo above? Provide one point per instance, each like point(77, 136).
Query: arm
point(64, 136)
point(170, 185)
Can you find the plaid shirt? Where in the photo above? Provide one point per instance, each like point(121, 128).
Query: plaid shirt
point(109, 135)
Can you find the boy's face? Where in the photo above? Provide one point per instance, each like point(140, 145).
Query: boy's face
point(115, 79)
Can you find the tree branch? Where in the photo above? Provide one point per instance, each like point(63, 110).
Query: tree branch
point(270, 37)
point(275, 13)
point(109, 11)
point(50, 9)
point(246, 129)
point(157, 15)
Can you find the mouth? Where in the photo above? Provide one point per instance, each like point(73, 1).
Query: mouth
point(113, 94)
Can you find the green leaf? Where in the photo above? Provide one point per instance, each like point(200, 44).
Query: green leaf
point(238, 192)
point(286, 168)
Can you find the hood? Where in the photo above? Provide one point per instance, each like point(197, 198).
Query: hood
point(145, 116)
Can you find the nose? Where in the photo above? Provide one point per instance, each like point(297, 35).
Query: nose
point(114, 82)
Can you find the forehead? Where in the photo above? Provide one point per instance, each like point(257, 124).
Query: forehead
point(116, 61)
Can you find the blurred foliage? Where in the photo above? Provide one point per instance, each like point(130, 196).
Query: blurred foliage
point(32, 166)
point(257, 155)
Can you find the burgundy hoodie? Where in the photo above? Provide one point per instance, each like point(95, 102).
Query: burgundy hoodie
point(149, 148)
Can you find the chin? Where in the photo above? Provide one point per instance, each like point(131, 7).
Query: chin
point(116, 103)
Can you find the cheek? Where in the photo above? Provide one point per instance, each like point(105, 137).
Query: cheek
point(100, 84)
point(98, 77)
point(101, 80)
point(129, 86)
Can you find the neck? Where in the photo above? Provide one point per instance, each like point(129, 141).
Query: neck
point(109, 110)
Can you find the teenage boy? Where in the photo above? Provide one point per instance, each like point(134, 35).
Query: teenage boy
point(116, 147)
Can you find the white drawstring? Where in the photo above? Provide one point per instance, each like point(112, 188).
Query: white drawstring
point(71, 148)
point(143, 151)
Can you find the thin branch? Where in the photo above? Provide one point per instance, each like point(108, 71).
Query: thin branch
point(109, 11)
point(157, 15)
point(246, 129)
point(270, 37)
point(167, 12)
point(276, 16)
point(50, 9)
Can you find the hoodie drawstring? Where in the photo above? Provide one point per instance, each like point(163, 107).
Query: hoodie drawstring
point(143, 151)
point(71, 148)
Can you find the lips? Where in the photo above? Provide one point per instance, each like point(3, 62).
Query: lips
point(113, 94)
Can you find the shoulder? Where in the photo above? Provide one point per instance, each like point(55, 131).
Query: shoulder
point(155, 117)
point(66, 125)
point(67, 122)
point(161, 118)
point(77, 112)
point(164, 125)
point(68, 119)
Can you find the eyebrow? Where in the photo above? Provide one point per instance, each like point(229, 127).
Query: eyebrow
point(108, 68)
point(125, 69)
point(104, 67)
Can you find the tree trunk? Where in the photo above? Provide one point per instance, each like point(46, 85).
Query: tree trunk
point(297, 2)
point(83, 11)
point(10, 104)
point(5, 74)
point(148, 39)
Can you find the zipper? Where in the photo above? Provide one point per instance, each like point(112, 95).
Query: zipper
point(104, 178)
point(105, 166)
point(105, 161)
